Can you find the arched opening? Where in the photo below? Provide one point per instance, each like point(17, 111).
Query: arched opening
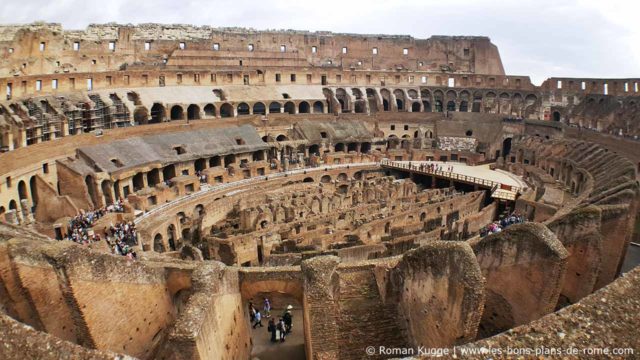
point(307, 180)
point(177, 113)
point(282, 137)
point(314, 150)
point(325, 179)
point(358, 175)
point(138, 181)
point(556, 116)
point(372, 99)
point(106, 191)
point(229, 159)
point(34, 191)
point(303, 108)
point(290, 107)
point(158, 244)
point(318, 107)
point(365, 147)
point(259, 109)
point(226, 110)
point(386, 97)
point(171, 237)
point(258, 155)
point(198, 211)
point(339, 147)
point(215, 161)
point(415, 106)
point(343, 177)
point(451, 106)
point(438, 106)
point(243, 109)
point(193, 112)
point(153, 177)
point(209, 110)
point(400, 99)
point(140, 115)
point(385, 105)
point(12, 205)
point(506, 147)
point(200, 164)
point(91, 188)
point(169, 172)
point(426, 106)
point(464, 106)
point(274, 107)
point(157, 113)
point(352, 147)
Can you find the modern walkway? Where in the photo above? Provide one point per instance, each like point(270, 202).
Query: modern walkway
point(504, 185)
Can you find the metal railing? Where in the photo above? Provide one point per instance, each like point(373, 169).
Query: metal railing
point(244, 182)
point(495, 186)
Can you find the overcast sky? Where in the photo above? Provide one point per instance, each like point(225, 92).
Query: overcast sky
point(543, 38)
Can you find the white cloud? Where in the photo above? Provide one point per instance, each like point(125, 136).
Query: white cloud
point(541, 38)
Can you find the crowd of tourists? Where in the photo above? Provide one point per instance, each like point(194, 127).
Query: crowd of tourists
point(503, 223)
point(431, 167)
point(79, 225)
point(278, 329)
point(121, 237)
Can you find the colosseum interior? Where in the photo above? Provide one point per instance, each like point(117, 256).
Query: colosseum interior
point(157, 179)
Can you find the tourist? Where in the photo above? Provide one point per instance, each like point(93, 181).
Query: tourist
point(258, 319)
point(288, 319)
point(271, 327)
point(267, 308)
point(281, 329)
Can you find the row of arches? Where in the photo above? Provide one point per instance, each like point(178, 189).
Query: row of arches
point(425, 100)
point(159, 113)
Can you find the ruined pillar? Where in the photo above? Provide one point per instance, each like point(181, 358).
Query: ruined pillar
point(320, 307)
point(440, 294)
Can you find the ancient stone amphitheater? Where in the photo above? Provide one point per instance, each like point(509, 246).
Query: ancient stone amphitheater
point(352, 177)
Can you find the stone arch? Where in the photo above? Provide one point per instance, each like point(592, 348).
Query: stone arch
point(386, 99)
point(34, 191)
point(339, 147)
point(415, 106)
point(198, 211)
point(91, 188)
point(282, 137)
point(157, 113)
point(275, 107)
point(259, 109)
point(343, 99)
point(210, 110)
point(290, 107)
point(193, 112)
point(141, 115)
point(177, 112)
point(171, 237)
point(226, 110)
point(243, 109)
point(13, 205)
point(477, 102)
point(318, 107)
point(343, 177)
point(303, 107)
point(325, 179)
point(400, 99)
point(158, 244)
point(106, 192)
point(372, 98)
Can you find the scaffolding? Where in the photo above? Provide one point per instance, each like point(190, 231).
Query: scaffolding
point(120, 113)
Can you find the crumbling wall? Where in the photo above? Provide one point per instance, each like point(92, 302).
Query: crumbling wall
point(524, 266)
point(440, 294)
point(214, 323)
point(52, 207)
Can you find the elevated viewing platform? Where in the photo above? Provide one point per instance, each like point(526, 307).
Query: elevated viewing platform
point(503, 185)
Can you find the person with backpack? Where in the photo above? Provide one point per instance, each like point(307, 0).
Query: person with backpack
point(288, 319)
point(258, 320)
